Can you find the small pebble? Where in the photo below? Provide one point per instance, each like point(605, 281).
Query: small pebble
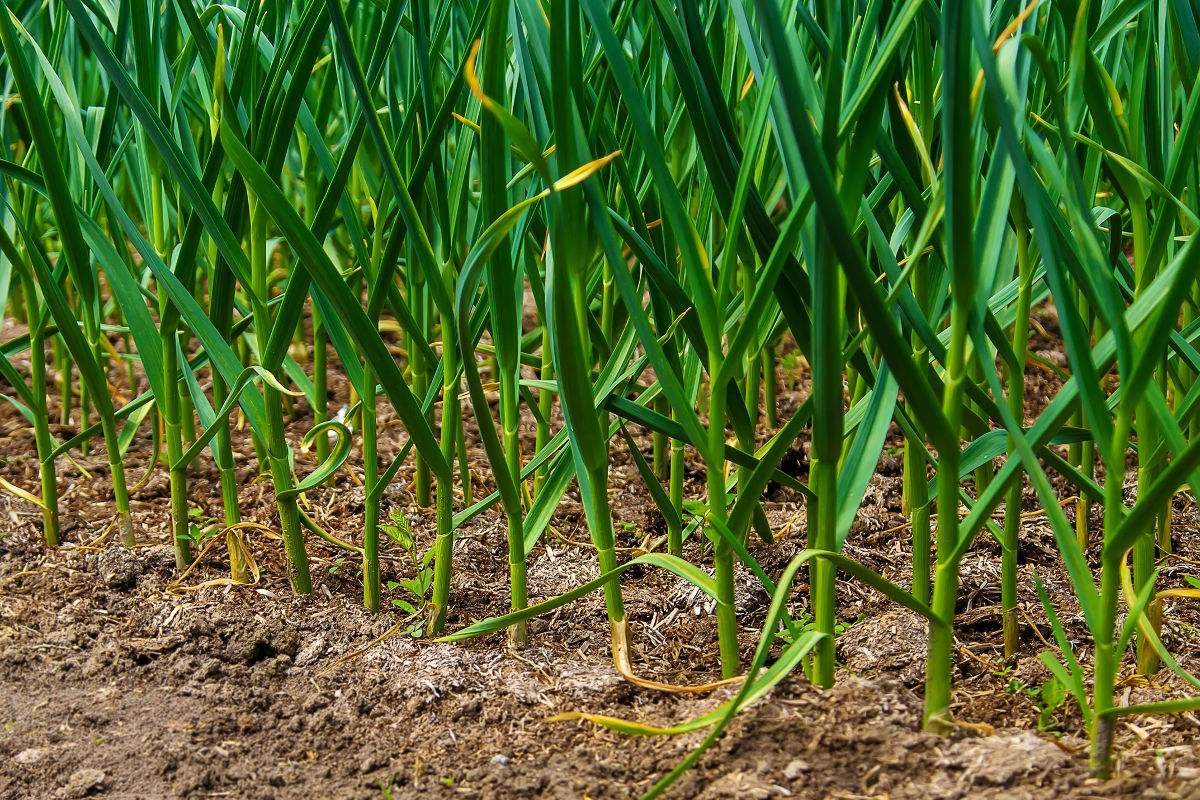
point(500, 758)
point(30, 756)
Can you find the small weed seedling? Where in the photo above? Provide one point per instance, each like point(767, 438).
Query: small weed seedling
point(417, 586)
point(200, 527)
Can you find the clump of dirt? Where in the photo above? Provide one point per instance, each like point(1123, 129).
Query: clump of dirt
point(891, 643)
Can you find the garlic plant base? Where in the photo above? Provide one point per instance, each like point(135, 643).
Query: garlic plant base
point(518, 635)
point(620, 646)
point(125, 529)
point(435, 619)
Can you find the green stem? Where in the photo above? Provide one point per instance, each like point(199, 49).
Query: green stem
point(222, 440)
point(443, 559)
point(659, 442)
point(678, 468)
point(256, 436)
point(984, 472)
point(187, 416)
point(120, 491)
point(940, 660)
point(320, 360)
point(170, 405)
point(1082, 454)
point(608, 304)
point(545, 408)
point(464, 461)
point(223, 455)
point(421, 383)
point(1016, 407)
point(1083, 508)
point(770, 387)
point(63, 376)
point(174, 438)
point(916, 505)
point(916, 474)
point(723, 561)
point(751, 385)
point(84, 396)
point(510, 419)
point(1151, 453)
point(370, 435)
point(604, 537)
point(822, 526)
point(41, 425)
point(1105, 660)
point(826, 453)
point(276, 442)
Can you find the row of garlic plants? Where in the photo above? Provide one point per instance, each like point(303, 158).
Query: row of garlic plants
point(240, 191)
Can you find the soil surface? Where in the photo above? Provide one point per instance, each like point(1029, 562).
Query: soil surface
point(119, 680)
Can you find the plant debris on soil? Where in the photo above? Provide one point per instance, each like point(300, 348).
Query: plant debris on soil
point(120, 682)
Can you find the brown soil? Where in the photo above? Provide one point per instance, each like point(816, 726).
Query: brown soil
point(116, 684)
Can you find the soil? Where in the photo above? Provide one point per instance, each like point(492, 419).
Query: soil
point(119, 681)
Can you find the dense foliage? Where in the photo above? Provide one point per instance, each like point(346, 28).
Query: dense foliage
point(619, 210)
